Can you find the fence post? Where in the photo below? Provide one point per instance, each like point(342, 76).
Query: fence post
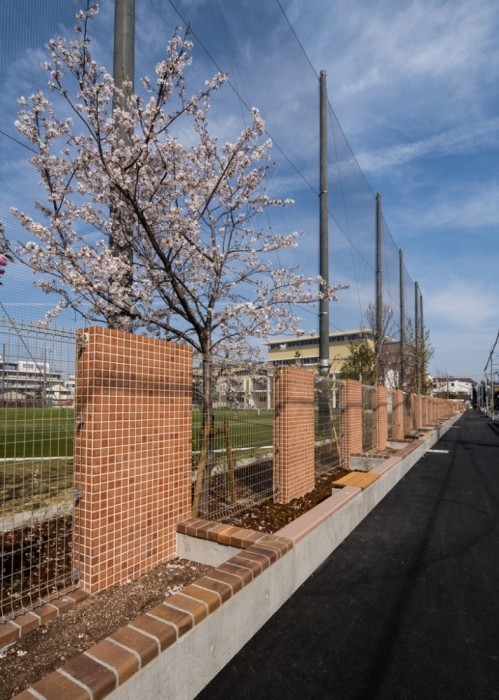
point(380, 417)
point(133, 453)
point(294, 439)
point(351, 420)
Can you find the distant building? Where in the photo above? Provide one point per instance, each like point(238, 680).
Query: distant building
point(62, 394)
point(304, 350)
point(238, 386)
point(33, 382)
point(453, 387)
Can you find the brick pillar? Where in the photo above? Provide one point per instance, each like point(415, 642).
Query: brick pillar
point(413, 412)
point(419, 411)
point(133, 454)
point(398, 415)
point(380, 417)
point(350, 420)
point(407, 413)
point(425, 412)
point(431, 411)
point(294, 440)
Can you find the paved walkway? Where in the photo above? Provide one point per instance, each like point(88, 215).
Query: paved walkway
point(408, 606)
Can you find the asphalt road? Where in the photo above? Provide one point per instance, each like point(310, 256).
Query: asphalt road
point(408, 606)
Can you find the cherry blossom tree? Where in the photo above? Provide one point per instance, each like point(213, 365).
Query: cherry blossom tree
point(198, 264)
point(4, 258)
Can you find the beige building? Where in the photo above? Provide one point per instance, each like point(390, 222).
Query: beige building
point(238, 386)
point(304, 350)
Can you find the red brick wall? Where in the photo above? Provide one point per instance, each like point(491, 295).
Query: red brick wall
point(420, 419)
point(351, 420)
point(398, 414)
point(294, 433)
point(380, 417)
point(426, 410)
point(133, 454)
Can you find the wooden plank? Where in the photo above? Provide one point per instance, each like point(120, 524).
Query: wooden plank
point(359, 479)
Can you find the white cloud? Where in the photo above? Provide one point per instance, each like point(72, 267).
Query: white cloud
point(468, 138)
point(462, 306)
point(427, 62)
point(457, 208)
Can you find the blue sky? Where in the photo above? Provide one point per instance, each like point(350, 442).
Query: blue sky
point(413, 86)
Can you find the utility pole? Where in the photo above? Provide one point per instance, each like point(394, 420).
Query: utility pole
point(323, 234)
point(491, 360)
point(123, 72)
point(124, 47)
point(422, 343)
point(417, 378)
point(379, 289)
point(402, 318)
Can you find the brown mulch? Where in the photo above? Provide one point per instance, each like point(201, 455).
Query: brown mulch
point(86, 624)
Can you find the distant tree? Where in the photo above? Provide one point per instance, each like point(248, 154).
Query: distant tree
point(417, 353)
point(189, 258)
point(381, 338)
point(360, 364)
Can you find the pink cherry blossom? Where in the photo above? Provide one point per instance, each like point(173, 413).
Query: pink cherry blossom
point(190, 259)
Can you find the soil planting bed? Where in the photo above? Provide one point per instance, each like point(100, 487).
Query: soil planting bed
point(52, 645)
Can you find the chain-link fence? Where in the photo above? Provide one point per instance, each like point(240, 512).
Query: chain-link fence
point(36, 463)
point(236, 465)
point(327, 424)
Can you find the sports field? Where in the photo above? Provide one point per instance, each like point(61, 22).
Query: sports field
point(36, 456)
point(36, 448)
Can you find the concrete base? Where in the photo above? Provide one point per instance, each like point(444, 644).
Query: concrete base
point(186, 667)
point(363, 463)
point(203, 551)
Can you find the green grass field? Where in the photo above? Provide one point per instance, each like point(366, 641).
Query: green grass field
point(250, 431)
point(36, 453)
point(36, 432)
point(36, 448)
point(29, 437)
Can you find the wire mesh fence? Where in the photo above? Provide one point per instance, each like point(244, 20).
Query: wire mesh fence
point(389, 410)
point(36, 463)
point(236, 465)
point(368, 418)
point(407, 414)
point(327, 424)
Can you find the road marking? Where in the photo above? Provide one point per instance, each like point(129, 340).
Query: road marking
point(440, 452)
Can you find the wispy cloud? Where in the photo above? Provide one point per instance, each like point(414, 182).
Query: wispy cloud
point(465, 139)
point(459, 208)
point(390, 60)
point(463, 308)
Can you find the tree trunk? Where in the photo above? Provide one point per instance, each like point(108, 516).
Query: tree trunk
point(206, 457)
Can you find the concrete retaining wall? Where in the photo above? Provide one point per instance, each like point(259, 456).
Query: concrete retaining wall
point(211, 644)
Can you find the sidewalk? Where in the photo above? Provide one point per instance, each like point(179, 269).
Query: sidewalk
point(408, 606)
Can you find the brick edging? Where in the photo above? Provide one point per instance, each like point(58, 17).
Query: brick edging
point(49, 610)
point(104, 667)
